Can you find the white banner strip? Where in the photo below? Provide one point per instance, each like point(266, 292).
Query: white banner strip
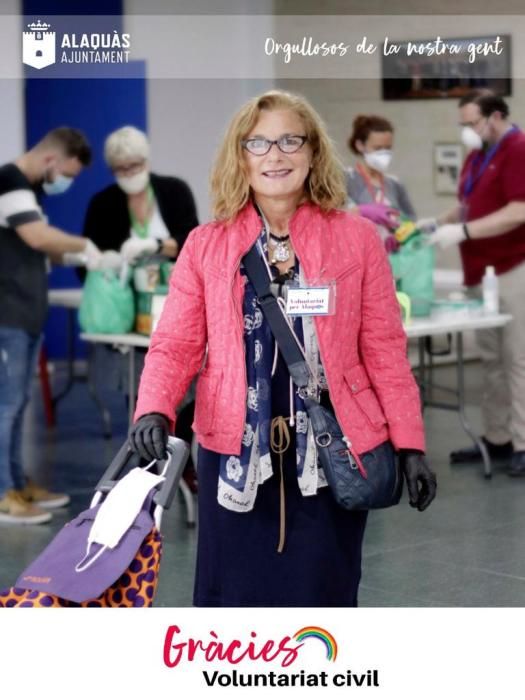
point(382, 653)
point(470, 49)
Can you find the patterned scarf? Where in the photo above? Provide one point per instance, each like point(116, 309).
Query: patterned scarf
point(240, 476)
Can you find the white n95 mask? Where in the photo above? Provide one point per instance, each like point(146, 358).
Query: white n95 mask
point(379, 160)
point(470, 138)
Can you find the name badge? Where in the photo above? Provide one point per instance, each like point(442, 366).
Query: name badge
point(308, 301)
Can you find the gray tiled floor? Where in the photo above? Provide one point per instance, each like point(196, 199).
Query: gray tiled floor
point(468, 549)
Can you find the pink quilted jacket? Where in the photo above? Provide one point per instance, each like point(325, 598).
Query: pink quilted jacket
point(362, 346)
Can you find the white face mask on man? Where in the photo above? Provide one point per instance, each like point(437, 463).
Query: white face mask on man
point(378, 160)
point(133, 184)
point(470, 138)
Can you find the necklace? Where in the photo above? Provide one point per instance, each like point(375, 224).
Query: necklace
point(281, 249)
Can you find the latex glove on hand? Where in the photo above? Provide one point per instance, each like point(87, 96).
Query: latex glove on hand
point(92, 255)
point(421, 480)
point(135, 248)
point(110, 260)
point(448, 235)
point(391, 244)
point(380, 214)
point(149, 436)
point(428, 225)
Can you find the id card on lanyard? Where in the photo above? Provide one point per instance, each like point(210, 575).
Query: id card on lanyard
point(316, 299)
point(311, 301)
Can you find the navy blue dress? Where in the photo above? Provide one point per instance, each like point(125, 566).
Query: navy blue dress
point(237, 559)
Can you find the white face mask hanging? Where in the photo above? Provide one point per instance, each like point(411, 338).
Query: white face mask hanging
point(119, 510)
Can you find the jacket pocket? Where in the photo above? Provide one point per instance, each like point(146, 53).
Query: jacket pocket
point(208, 385)
point(358, 382)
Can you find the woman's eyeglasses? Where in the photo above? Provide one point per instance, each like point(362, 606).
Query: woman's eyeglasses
point(125, 170)
point(290, 143)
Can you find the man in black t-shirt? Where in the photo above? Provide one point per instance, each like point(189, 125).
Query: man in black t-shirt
point(26, 240)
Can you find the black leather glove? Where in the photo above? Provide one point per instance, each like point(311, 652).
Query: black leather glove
point(149, 436)
point(421, 480)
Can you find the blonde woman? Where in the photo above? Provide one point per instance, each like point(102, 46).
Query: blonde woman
point(270, 531)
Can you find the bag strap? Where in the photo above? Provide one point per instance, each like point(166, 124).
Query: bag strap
point(288, 345)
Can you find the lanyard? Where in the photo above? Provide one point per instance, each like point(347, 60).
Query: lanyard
point(370, 186)
point(142, 229)
point(471, 178)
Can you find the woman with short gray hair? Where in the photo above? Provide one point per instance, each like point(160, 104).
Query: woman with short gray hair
point(142, 213)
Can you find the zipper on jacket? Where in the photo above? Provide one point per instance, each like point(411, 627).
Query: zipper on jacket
point(241, 328)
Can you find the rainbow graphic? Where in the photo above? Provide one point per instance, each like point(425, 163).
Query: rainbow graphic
point(323, 635)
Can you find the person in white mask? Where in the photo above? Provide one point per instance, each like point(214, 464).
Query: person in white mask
point(140, 215)
point(377, 194)
point(488, 223)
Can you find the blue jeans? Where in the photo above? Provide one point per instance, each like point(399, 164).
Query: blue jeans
point(18, 359)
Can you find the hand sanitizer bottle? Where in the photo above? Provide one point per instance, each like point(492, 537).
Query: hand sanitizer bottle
point(490, 291)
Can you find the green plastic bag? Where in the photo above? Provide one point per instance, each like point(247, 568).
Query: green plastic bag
point(108, 305)
point(413, 269)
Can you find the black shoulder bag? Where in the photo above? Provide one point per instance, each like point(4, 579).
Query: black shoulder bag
point(377, 482)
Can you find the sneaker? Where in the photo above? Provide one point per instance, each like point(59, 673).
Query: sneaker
point(32, 493)
point(15, 509)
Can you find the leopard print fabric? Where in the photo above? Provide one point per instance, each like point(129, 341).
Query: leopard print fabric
point(134, 589)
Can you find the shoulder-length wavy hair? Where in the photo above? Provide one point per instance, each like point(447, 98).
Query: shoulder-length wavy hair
point(230, 190)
